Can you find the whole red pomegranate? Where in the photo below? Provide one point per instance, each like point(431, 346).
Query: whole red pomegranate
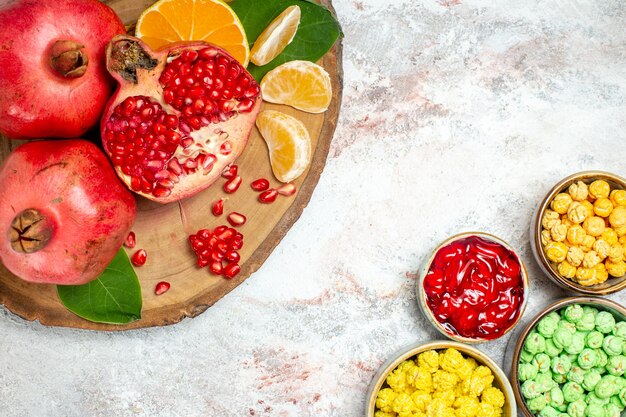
point(179, 116)
point(53, 82)
point(63, 212)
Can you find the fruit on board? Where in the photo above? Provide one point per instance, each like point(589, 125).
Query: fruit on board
point(52, 75)
point(276, 36)
point(212, 21)
point(63, 212)
point(300, 84)
point(289, 145)
point(179, 116)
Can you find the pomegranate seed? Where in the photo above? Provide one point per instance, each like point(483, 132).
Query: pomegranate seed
point(236, 219)
point(260, 185)
point(268, 196)
point(226, 148)
point(233, 185)
point(130, 240)
point(218, 207)
point(231, 270)
point(287, 189)
point(232, 256)
point(161, 287)
point(216, 267)
point(139, 257)
point(230, 172)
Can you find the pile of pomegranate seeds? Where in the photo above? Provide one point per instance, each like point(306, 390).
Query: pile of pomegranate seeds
point(218, 250)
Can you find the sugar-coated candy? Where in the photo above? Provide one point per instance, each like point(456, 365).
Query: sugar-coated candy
point(605, 322)
point(562, 337)
point(606, 387)
point(612, 345)
point(594, 339)
point(526, 371)
point(587, 359)
point(577, 408)
point(616, 365)
point(572, 391)
point(591, 379)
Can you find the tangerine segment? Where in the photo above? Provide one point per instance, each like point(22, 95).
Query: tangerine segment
point(300, 84)
point(212, 21)
point(276, 36)
point(288, 142)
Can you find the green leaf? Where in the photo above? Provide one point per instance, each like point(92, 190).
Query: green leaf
point(115, 297)
point(317, 33)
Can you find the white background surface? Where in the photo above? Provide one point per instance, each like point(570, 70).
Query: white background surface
point(456, 116)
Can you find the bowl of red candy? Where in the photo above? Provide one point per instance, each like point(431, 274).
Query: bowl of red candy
point(473, 288)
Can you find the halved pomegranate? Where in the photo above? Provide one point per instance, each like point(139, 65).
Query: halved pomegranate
point(179, 116)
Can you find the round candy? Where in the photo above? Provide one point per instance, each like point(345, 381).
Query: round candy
point(576, 374)
point(556, 397)
point(606, 387)
point(587, 359)
point(560, 365)
point(559, 378)
point(611, 410)
point(573, 313)
point(587, 322)
point(591, 379)
point(603, 358)
point(547, 325)
point(537, 404)
point(551, 349)
point(622, 396)
point(620, 329)
point(548, 411)
point(530, 389)
point(526, 356)
point(535, 343)
point(572, 392)
point(542, 361)
point(618, 403)
point(567, 325)
point(561, 338)
point(594, 339)
point(612, 345)
point(616, 365)
point(592, 398)
point(577, 345)
point(594, 410)
point(577, 408)
point(605, 322)
point(526, 371)
point(545, 382)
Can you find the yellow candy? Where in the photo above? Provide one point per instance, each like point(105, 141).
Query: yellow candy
point(585, 275)
point(576, 235)
point(601, 247)
point(481, 378)
point(594, 226)
point(397, 380)
point(561, 203)
point(422, 379)
point(617, 269)
point(616, 253)
point(609, 236)
point(558, 232)
point(403, 403)
point(384, 414)
point(447, 397)
point(618, 197)
point(444, 380)
point(602, 207)
point(493, 396)
point(556, 251)
point(546, 237)
point(385, 398)
point(488, 410)
point(578, 191)
point(421, 399)
point(577, 212)
point(589, 206)
point(601, 273)
point(575, 256)
point(567, 270)
point(591, 259)
point(599, 189)
point(549, 218)
point(617, 218)
point(588, 243)
point(621, 231)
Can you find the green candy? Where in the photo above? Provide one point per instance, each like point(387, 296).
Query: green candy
point(564, 324)
point(599, 369)
point(592, 398)
point(594, 339)
point(616, 365)
point(572, 392)
point(577, 345)
point(577, 408)
point(545, 382)
point(526, 356)
point(587, 322)
point(556, 397)
point(530, 389)
point(603, 358)
point(612, 345)
point(594, 410)
point(576, 374)
point(548, 411)
point(620, 329)
point(591, 380)
point(622, 396)
point(547, 326)
point(551, 349)
point(542, 361)
point(606, 387)
point(537, 404)
point(605, 322)
point(526, 371)
point(589, 309)
point(559, 378)
point(561, 338)
point(618, 403)
point(535, 343)
point(573, 313)
point(587, 359)
point(611, 410)
point(560, 365)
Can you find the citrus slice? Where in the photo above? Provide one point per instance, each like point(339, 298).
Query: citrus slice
point(300, 84)
point(212, 21)
point(288, 142)
point(276, 36)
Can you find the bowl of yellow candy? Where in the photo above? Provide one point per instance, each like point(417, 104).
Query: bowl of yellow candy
point(440, 379)
point(578, 235)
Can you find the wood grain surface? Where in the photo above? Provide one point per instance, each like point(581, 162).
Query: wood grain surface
point(163, 229)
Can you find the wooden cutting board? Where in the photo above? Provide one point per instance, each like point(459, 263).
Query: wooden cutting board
point(163, 229)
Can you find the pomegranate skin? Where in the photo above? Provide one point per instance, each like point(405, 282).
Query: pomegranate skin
point(84, 212)
point(138, 71)
point(37, 101)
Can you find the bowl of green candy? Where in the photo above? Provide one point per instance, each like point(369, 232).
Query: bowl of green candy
point(569, 361)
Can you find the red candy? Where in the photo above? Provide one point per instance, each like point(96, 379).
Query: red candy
point(474, 288)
